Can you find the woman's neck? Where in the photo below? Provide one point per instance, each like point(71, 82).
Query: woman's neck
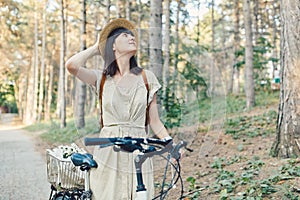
point(124, 65)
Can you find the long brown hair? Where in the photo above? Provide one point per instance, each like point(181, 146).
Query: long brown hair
point(110, 62)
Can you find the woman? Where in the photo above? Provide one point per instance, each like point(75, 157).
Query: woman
point(124, 103)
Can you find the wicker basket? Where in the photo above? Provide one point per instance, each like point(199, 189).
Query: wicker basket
point(62, 173)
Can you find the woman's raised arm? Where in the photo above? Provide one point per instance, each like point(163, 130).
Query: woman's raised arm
point(75, 65)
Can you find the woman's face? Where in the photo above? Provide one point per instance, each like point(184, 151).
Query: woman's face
point(125, 44)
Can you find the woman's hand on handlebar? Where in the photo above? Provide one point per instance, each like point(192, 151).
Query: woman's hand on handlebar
point(179, 149)
point(176, 150)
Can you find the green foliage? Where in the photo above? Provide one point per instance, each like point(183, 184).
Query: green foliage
point(235, 104)
point(173, 107)
point(265, 99)
point(259, 190)
point(239, 54)
point(56, 134)
point(194, 188)
point(7, 97)
point(227, 181)
point(262, 47)
point(251, 126)
point(290, 169)
point(194, 79)
point(261, 57)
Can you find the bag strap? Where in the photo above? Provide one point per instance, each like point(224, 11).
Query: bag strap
point(147, 108)
point(100, 97)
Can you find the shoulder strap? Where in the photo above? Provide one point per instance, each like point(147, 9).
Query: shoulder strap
point(100, 97)
point(147, 109)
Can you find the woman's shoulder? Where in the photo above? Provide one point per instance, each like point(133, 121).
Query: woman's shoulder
point(151, 77)
point(98, 73)
point(149, 73)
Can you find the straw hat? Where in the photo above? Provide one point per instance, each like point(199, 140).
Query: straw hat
point(114, 24)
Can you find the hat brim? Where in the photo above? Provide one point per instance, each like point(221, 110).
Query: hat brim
point(114, 24)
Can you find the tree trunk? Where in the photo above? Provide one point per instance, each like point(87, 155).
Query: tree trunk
point(96, 59)
point(233, 81)
point(256, 20)
point(107, 11)
point(41, 90)
point(166, 46)
point(36, 67)
point(62, 68)
point(155, 41)
point(274, 34)
point(49, 82)
point(128, 9)
point(19, 89)
point(175, 81)
point(29, 97)
point(223, 63)
point(138, 55)
point(287, 143)
point(212, 60)
point(249, 82)
point(48, 94)
point(118, 9)
point(81, 86)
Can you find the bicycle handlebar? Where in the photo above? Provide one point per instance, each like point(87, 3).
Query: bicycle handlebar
point(130, 144)
point(123, 141)
point(154, 147)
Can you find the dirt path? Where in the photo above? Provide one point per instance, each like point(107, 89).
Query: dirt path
point(22, 169)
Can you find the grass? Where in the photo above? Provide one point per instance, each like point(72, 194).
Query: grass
point(202, 111)
point(52, 132)
point(246, 184)
point(229, 182)
point(251, 126)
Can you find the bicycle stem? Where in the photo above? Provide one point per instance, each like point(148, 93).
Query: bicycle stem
point(87, 182)
point(138, 162)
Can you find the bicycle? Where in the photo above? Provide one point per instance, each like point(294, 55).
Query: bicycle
point(147, 147)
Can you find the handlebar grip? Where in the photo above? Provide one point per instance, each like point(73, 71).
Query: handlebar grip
point(180, 145)
point(175, 152)
point(99, 141)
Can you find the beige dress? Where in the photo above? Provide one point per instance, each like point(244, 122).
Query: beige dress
point(124, 112)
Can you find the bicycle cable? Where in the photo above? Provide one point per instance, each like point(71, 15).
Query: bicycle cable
point(174, 179)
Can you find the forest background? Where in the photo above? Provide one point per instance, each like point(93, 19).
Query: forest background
point(213, 58)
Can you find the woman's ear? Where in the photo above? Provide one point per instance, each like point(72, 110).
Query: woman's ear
point(114, 46)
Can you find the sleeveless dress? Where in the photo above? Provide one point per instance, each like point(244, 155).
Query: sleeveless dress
point(124, 112)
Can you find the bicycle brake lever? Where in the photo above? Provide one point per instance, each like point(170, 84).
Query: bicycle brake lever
point(175, 153)
point(190, 150)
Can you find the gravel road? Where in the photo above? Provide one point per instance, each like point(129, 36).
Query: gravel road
point(22, 168)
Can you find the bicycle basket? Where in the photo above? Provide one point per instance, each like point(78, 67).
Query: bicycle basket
point(61, 172)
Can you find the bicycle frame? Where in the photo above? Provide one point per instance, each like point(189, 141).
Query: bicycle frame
point(86, 162)
point(129, 144)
